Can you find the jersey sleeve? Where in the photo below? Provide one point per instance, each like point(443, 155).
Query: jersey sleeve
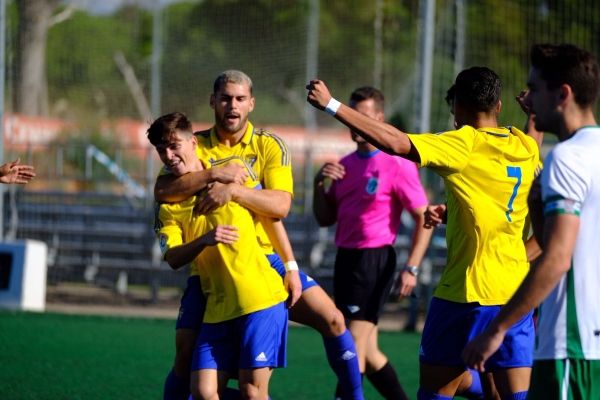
point(408, 187)
point(445, 152)
point(564, 183)
point(167, 229)
point(278, 166)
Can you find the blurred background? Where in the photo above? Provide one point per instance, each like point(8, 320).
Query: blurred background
point(82, 80)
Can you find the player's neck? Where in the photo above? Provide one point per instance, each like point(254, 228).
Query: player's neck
point(575, 120)
point(231, 139)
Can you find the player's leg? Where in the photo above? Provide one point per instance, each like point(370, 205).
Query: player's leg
point(316, 309)
point(380, 372)
point(511, 364)
point(448, 327)
point(214, 355)
point(189, 322)
point(262, 337)
point(254, 383)
point(471, 386)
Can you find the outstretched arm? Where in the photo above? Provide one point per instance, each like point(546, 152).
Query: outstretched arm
point(170, 188)
point(381, 135)
point(12, 172)
point(183, 254)
point(281, 243)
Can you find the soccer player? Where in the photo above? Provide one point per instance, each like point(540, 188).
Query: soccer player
point(245, 322)
point(369, 191)
point(266, 159)
point(12, 172)
point(487, 171)
point(564, 84)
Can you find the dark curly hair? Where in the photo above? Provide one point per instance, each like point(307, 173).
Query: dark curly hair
point(478, 89)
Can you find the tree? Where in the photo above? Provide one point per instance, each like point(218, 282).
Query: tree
point(30, 91)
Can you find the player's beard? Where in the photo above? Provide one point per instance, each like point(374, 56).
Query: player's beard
point(230, 128)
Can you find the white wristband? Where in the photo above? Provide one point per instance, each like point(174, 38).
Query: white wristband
point(291, 266)
point(332, 106)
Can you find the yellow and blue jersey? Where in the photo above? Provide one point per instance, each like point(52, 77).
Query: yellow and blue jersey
point(237, 279)
point(265, 156)
point(487, 173)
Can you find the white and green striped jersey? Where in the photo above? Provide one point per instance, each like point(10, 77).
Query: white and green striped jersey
point(569, 319)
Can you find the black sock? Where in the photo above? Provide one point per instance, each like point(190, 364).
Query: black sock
point(338, 390)
point(387, 384)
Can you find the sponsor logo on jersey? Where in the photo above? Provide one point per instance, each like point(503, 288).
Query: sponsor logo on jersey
point(261, 357)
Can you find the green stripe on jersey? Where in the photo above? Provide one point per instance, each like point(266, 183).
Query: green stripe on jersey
point(558, 205)
point(574, 348)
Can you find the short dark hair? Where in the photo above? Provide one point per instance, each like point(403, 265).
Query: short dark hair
point(164, 128)
point(367, 93)
point(570, 65)
point(478, 89)
point(450, 95)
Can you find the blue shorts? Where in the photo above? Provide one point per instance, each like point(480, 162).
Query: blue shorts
point(193, 302)
point(193, 305)
point(450, 326)
point(255, 340)
point(277, 263)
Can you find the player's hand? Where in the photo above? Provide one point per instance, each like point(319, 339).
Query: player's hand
point(521, 100)
point(481, 348)
point(225, 234)
point(405, 284)
point(293, 286)
point(318, 94)
point(435, 215)
point(335, 171)
point(231, 173)
point(217, 195)
point(12, 172)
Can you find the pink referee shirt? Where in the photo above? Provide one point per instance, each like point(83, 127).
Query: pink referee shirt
point(371, 197)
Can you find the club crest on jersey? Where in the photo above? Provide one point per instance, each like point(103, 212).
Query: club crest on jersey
point(250, 160)
point(162, 241)
point(372, 185)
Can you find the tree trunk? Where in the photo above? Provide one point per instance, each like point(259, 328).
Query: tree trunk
point(30, 93)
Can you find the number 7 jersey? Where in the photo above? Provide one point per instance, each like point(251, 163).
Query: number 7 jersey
point(487, 174)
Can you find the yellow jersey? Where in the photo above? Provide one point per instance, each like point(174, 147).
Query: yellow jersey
point(265, 156)
point(236, 279)
point(487, 173)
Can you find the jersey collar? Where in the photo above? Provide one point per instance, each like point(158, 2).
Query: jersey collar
point(246, 139)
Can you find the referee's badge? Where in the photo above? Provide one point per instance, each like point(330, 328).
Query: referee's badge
point(372, 185)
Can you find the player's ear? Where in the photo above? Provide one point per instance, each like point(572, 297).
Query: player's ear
point(212, 101)
point(194, 141)
point(380, 117)
point(252, 100)
point(565, 93)
point(498, 107)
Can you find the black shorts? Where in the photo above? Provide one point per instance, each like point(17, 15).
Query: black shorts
point(362, 281)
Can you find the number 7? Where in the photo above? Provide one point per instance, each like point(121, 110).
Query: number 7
point(513, 172)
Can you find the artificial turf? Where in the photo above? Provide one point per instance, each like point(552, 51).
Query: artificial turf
point(61, 356)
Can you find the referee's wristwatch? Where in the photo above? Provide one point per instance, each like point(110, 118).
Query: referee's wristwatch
point(414, 270)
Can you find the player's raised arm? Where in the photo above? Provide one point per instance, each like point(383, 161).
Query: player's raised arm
point(381, 135)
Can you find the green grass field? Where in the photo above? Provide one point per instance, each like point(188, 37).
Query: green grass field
point(57, 356)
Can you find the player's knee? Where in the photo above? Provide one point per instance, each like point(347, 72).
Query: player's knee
point(203, 390)
point(250, 392)
point(337, 323)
